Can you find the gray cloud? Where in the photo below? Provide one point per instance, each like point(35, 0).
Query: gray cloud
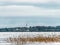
point(43, 5)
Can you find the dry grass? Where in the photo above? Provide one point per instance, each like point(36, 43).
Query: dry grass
point(22, 40)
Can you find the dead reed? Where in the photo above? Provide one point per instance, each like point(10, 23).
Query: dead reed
point(23, 40)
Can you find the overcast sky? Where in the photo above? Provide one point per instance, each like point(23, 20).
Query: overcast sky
point(30, 8)
point(48, 12)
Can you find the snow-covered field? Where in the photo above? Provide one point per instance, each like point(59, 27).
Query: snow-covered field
point(25, 34)
point(36, 43)
point(4, 35)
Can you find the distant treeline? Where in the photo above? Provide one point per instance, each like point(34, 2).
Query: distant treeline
point(32, 29)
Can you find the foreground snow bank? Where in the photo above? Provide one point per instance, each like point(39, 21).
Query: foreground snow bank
point(5, 44)
point(37, 43)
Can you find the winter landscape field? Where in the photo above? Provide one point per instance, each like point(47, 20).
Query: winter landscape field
point(29, 22)
point(10, 38)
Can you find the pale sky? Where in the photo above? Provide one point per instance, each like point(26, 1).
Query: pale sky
point(28, 11)
point(30, 8)
point(41, 1)
point(48, 12)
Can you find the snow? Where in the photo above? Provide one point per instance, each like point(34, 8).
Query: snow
point(35, 43)
point(5, 43)
point(25, 34)
point(30, 34)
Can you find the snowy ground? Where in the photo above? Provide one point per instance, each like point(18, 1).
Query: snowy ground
point(36, 43)
point(25, 34)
